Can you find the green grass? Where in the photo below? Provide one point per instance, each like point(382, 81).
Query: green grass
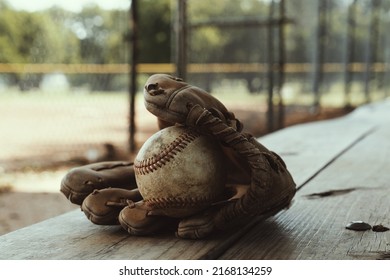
point(231, 93)
point(294, 94)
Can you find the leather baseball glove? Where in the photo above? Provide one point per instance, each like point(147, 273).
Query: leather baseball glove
point(258, 183)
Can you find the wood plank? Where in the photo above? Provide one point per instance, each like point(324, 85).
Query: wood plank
point(314, 227)
point(72, 236)
point(307, 149)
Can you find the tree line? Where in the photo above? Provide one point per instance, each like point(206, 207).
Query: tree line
point(92, 36)
point(99, 36)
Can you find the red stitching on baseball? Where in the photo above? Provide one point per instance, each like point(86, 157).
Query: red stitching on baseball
point(151, 164)
point(179, 202)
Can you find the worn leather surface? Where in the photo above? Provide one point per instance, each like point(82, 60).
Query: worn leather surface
point(258, 184)
point(102, 207)
point(168, 97)
point(136, 219)
point(79, 182)
point(271, 188)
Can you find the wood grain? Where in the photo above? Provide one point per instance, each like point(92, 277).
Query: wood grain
point(308, 148)
point(314, 227)
point(342, 169)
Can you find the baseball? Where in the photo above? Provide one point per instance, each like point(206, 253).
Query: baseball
point(180, 172)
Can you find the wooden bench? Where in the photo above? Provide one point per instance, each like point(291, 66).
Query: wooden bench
point(342, 171)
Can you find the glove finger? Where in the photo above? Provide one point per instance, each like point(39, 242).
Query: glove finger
point(135, 219)
point(196, 227)
point(79, 182)
point(167, 98)
point(102, 207)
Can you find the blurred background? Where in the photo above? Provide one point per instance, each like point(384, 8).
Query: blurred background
point(72, 75)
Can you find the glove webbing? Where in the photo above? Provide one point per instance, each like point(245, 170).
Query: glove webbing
point(258, 199)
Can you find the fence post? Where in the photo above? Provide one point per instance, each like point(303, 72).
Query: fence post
point(372, 46)
point(319, 52)
point(350, 51)
point(181, 39)
point(133, 72)
point(282, 59)
point(386, 61)
point(270, 70)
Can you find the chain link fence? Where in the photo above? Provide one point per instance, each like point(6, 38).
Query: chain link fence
point(298, 55)
point(64, 83)
point(64, 75)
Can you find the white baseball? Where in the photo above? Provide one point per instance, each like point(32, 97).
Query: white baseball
point(180, 171)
